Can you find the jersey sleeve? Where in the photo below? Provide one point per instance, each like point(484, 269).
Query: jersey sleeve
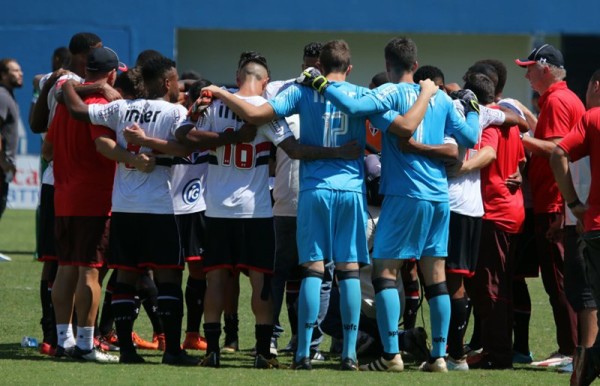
point(488, 117)
point(576, 143)
point(286, 102)
point(277, 130)
point(376, 101)
point(466, 132)
point(490, 137)
point(105, 114)
point(178, 117)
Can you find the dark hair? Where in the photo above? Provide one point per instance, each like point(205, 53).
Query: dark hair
point(482, 86)
point(4, 64)
point(428, 72)
point(312, 50)
point(401, 54)
point(253, 57)
point(380, 78)
point(131, 83)
point(62, 55)
point(147, 55)
point(156, 68)
point(485, 69)
point(500, 70)
point(595, 76)
point(190, 74)
point(82, 42)
point(196, 88)
point(335, 57)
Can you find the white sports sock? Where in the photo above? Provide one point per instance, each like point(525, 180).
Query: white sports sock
point(64, 333)
point(85, 338)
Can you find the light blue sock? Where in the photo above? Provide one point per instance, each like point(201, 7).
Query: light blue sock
point(388, 315)
point(439, 311)
point(350, 309)
point(308, 310)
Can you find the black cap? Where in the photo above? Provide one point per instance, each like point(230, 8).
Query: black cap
point(545, 54)
point(103, 59)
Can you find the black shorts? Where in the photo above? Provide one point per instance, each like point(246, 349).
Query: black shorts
point(82, 240)
point(526, 260)
point(140, 240)
point(45, 234)
point(240, 244)
point(577, 286)
point(463, 244)
point(192, 230)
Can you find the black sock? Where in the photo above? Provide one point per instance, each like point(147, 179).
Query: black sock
point(522, 315)
point(212, 332)
point(458, 325)
point(262, 333)
point(291, 298)
point(106, 317)
point(148, 294)
point(411, 304)
point(194, 301)
point(48, 321)
point(123, 309)
point(170, 311)
point(231, 328)
point(475, 343)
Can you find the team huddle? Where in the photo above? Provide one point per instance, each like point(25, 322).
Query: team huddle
point(148, 172)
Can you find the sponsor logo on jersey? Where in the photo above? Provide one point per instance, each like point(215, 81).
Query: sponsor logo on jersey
point(135, 115)
point(191, 192)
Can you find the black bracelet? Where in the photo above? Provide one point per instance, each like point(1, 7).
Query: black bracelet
point(573, 204)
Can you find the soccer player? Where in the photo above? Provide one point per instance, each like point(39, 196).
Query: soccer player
point(83, 188)
point(582, 141)
point(414, 215)
point(560, 110)
point(331, 208)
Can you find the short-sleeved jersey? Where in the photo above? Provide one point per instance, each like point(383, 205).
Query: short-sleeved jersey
point(560, 110)
point(583, 141)
point(188, 181)
point(322, 124)
point(502, 206)
point(9, 123)
point(83, 178)
point(237, 180)
point(465, 190)
point(413, 175)
point(135, 191)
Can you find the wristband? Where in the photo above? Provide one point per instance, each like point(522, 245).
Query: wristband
point(573, 204)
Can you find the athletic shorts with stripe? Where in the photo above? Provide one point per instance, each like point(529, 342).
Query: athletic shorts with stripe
point(411, 228)
point(332, 224)
point(246, 244)
point(140, 240)
point(192, 230)
point(463, 244)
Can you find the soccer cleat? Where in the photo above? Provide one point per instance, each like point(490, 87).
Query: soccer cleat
point(211, 359)
point(415, 342)
point(519, 357)
point(61, 352)
point(349, 364)
point(131, 358)
point(193, 341)
point(469, 352)
point(181, 359)
point(47, 349)
point(438, 366)
point(457, 364)
point(143, 344)
point(159, 340)
point(363, 342)
point(555, 359)
point(93, 355)
point(302, 364)
point(291, 346)
point(260, 362)
point(316, 356)
point(231, 347)
point(484, 362)
point(381, 364)
point(272, 348)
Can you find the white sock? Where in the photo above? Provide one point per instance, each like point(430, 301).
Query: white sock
point(64, 333)
point(85, 338)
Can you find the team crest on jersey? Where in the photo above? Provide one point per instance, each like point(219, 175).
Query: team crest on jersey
point(191, 192)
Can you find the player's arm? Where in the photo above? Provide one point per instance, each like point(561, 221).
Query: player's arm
point(445, 152)
point(296, 150)
point(191, 138)
point(110, 149)
point(540, 147)
point(134, 134)
point(38, 119)
point(47, 150)
point(77, 108)
point(483, 158)
point(83, 90)
point(256, 115)
point(5, 164)
point(513, 119)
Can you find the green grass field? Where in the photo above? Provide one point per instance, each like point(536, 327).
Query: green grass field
point(20, 313)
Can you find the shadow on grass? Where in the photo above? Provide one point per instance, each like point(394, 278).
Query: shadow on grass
point(14, 351)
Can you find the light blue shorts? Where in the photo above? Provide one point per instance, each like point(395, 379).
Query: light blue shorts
point(332, 226)
point(410, 228)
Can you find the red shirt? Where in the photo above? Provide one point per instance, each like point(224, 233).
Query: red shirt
point(373, 136)
point(560, 109)
point(582, 141)
point(503, 207)
point(83, 178)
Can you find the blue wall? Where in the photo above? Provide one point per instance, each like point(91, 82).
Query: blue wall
point(30, 30)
